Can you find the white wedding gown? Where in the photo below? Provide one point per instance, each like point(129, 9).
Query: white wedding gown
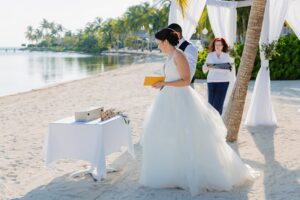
point(184, 143)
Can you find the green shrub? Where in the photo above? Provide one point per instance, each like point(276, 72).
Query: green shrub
point(201, 60)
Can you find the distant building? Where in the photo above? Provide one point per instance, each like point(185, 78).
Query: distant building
point(141, 34)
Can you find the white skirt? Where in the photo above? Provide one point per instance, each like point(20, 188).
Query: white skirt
point(184, 145)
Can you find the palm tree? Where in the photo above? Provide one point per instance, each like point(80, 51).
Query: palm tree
point(161, 16)
point(117, 30)
point(59, 28)
point(97, 23)
point(89, 28)
point(133, 15)
point(121, 29)
point(125, 25)
point(29, 33)
point(142, 16)
point(45, 26)
point(38, 34)
point(94, 26)
point(234, 112)
point(106, 33)
point(148, 19)
point(53, 30)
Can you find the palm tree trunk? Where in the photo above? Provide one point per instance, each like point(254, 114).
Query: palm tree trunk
point(150, 42)
point(234, 112)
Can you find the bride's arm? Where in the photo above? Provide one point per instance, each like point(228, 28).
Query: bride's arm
point(183, 70)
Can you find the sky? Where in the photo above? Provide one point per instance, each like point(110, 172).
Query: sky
point(16, 15)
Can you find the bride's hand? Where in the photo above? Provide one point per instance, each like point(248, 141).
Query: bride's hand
point(158, 85)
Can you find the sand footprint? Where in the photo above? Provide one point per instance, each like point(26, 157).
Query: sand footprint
point(11, 175)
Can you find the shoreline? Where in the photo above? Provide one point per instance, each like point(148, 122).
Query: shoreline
point(51, 85)
point(83, 77)
point(104, 52)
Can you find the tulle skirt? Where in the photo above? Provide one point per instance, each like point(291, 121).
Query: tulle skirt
point(184, 146)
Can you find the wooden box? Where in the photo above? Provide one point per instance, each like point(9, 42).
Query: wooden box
point(88, 115)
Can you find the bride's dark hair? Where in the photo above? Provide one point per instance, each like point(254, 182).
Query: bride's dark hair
point(168, 34)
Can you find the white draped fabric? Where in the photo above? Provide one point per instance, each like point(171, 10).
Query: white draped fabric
point(293, 16)
point(223, 16)
point(191, 17)
point(261, 111)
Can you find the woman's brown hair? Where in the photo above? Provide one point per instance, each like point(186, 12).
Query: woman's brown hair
point(224, 43)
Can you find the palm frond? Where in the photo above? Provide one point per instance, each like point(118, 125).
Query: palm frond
point(183, 5)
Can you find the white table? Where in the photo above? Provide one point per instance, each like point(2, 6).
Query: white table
point(89, 141)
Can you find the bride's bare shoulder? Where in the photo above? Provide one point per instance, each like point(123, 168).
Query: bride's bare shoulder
point(179, 54)
point(180, 57)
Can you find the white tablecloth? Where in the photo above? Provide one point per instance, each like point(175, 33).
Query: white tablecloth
point(90, 141)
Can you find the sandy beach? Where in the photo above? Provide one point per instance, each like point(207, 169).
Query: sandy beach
point(24, 120)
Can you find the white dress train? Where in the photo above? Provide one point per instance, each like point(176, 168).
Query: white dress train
point(184, 143)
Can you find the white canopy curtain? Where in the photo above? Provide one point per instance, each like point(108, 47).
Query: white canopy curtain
point(261, 111)
point(223, 16)
point(193, 12)
point(293, 16)
point(191, 17)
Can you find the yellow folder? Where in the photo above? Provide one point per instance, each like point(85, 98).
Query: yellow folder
point(150, 80)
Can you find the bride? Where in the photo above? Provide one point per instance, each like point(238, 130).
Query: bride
point(184, 137)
